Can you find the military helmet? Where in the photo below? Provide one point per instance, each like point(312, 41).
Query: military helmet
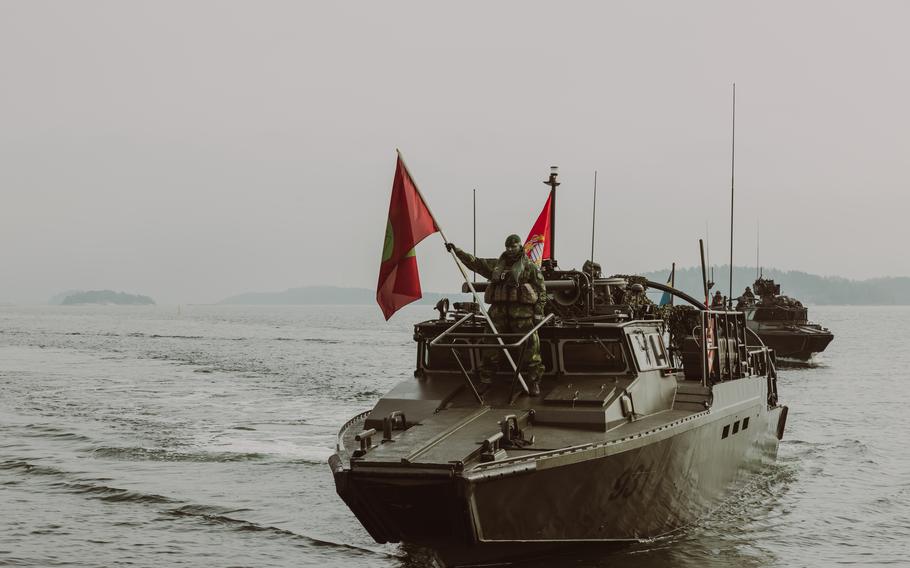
point(512, 239)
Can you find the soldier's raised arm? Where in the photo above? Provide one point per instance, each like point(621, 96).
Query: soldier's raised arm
point(482, 266)
point(540, 287)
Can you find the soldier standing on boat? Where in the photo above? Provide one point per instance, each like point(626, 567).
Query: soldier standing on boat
point(718, 301)
point(746, 300)
point(517, 296)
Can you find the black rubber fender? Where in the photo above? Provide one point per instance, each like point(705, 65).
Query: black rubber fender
point(782, 422)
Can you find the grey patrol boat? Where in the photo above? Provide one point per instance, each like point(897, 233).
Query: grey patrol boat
point(782, 322)
point(645, 423)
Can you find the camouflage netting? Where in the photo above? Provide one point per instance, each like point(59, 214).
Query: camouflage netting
point(626, 296)
point(680, 320)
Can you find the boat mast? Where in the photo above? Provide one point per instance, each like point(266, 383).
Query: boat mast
point(554, 171)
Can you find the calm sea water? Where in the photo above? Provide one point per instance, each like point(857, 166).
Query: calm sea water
point(155, 436)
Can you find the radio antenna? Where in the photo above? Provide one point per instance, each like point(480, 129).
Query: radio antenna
point(475, 229)
point(710, 267)
point(757, 248)
point(732, 177)
point(708, 244)
point(593, 223)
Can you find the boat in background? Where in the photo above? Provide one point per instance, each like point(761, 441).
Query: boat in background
point(782, 322)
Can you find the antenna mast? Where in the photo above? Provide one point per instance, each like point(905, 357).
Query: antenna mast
point(732, 177)
point(593, 223)
point(475, 229)
point(707, 245)
point(757, 248)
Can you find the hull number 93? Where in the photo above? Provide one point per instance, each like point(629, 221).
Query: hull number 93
point(630, 482)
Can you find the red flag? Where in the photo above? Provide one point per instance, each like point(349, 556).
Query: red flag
point(410, 221)
point(537, 245)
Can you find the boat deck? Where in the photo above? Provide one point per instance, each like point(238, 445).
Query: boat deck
point(457, 434)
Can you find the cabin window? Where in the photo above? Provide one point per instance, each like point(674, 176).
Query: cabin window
point(593, 357)
point(649, 351)
point(736, 427)
point(745, 422)
point(442, 359)
point(726, 432)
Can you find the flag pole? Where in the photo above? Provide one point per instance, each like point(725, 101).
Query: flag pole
point(551, 181)
point(672, 281)
point(467, 280)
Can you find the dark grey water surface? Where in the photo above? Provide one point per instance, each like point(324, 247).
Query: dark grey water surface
point(198, 437)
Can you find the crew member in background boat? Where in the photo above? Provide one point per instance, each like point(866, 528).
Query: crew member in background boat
point(517, 296)
point(746, 300)
point(718, 300)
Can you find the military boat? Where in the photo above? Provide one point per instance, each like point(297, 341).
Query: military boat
point(782, 322)
point(648, 418)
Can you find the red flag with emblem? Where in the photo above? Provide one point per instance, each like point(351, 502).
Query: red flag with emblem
point(710, 336)
point(537, 245)
point(710, 344)
point(410, 221)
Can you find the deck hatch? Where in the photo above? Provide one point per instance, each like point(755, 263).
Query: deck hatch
point(582, 394)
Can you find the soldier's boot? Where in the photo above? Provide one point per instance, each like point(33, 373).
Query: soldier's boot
point(489, 364)
point(534, 373)
point(533, 379)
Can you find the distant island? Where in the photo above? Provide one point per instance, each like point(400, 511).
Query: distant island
point(808, 288)
point(106, 297)
point(326, 295)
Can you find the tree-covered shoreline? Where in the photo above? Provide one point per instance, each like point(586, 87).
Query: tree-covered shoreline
point(808, 288)
point(107, 297)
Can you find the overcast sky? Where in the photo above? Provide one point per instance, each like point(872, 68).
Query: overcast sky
point(195, 150)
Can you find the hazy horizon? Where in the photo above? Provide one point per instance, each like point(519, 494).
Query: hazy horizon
point(195, 151)
point(743, 277)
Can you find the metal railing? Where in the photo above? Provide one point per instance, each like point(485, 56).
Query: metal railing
point(485, 336)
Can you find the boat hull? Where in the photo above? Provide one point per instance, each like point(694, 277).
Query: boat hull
point(610, 494)
point(795, 344)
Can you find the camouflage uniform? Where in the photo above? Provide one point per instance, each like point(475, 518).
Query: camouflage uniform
point(718, 300)
point(746, 300)
point(516, 295)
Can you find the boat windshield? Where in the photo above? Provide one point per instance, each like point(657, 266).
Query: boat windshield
point(780, 313)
